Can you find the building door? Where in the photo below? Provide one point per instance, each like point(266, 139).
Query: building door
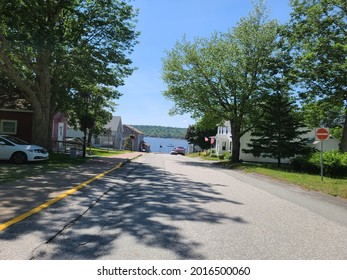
point(60, 135)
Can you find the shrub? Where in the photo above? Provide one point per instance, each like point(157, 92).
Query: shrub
point(211, 152)
point(303, 164)
point(334, 163)
point(227, 155)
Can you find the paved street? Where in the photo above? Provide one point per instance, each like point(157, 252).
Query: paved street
point(172, 207)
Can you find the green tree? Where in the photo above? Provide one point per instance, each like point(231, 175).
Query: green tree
point(11, 95)
point(90, 112)
point(219, 76)
point(128, 143)
point(51, 49)
point(196, 135)
point(278, 133)
point(318, 34)
point(162, 131)
point(323, 114)
point(205, 127)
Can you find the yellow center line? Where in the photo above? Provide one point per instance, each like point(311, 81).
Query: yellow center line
point(55, 199)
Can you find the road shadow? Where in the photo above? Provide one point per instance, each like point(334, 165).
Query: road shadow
point(22, 195)
point(147, 204)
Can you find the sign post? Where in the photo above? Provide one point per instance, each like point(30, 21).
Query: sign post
point(321, 135)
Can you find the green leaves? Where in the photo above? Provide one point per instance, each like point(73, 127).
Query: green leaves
point(54, 49)
point(278, 132)
point(317, 32)
point(218, 78)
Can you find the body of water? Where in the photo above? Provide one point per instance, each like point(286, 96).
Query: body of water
point(165, 145)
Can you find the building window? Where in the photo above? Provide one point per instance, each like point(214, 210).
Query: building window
point(8, 126)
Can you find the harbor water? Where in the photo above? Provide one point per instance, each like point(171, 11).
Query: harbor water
point(165, 145)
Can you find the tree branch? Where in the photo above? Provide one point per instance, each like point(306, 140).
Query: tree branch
point(7, 66)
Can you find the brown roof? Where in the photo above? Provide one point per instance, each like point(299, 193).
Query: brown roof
point(133, 129)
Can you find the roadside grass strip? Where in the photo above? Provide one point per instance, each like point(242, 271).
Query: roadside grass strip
point(55, 199)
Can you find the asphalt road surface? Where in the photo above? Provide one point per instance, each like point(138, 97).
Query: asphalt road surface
point(173, 207)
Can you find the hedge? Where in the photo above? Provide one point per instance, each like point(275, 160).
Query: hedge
point(334, 164)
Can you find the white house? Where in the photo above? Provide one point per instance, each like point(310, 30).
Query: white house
point(224, 143)
point(223, 139)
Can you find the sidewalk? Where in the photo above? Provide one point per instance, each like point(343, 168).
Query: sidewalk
point(23, 195)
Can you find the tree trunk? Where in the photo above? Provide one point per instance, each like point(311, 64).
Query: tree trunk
point(43, 102)
point(42, 126)
point(343, 145)
point(89, 139)
point(90, 136)
point(236, 145)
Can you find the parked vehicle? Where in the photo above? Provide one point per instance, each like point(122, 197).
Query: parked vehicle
point(180, 151)
point(19, 151)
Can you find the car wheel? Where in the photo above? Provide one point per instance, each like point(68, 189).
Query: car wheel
point(19, 157)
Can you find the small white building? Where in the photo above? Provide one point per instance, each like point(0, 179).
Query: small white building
point(223, 139)
point(224, 144)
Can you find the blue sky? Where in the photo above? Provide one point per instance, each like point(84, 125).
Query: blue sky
point(162, 23)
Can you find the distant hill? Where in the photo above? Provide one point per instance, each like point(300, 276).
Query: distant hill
point(162, 131)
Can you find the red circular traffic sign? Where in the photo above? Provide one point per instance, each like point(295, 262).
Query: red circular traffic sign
point(322, 134)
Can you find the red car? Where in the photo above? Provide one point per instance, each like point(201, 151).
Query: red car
point(180, 151)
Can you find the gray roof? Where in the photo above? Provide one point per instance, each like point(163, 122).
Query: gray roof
point(114, 123)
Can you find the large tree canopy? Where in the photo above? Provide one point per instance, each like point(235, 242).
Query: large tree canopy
point(277, 133)
point(318, 36)
point(54, 49)
point(219, 76)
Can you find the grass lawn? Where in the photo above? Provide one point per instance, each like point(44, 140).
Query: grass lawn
point(332, 186)
point(11, 172)
point(105, 152)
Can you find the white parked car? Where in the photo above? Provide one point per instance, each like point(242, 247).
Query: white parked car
point(19, 151)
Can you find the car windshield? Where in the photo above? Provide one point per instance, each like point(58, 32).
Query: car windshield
point(14, 140)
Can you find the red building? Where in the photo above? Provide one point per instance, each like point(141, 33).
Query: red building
point(17, 123)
